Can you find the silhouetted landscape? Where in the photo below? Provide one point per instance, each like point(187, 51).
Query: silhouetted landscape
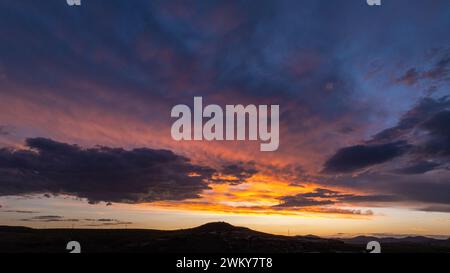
point(218, 237)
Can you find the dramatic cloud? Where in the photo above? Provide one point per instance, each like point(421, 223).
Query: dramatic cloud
point(425, 109)
point(115, 84)
point(439, 129)
point(421, 138)
point(324, 193)
point(301, 201)
point(430, 189)
point(360, 156)
point(321, 197)
point(100, 174)
point(235, 173)
point(421, 176)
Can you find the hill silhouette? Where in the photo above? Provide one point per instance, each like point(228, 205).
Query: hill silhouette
point(216, 237)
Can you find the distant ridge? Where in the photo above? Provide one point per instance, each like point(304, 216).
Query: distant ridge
point(407, 239)
point(220, 227)
point(15, 229)
point(215, 237)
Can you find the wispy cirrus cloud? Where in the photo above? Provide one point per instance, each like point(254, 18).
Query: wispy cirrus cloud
point(440, 71)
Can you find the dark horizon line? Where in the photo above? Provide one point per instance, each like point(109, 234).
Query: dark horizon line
point(233, 227)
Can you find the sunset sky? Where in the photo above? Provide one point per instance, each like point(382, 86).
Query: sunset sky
point(364, 95)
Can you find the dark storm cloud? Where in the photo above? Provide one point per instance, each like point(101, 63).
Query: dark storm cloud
point(324, 193)
point(300, 201)
point(100, 174)
point(439, 130)
point(428, 189)
point(422, 177)
point(235, 173)
point(360, 156)
point(421, 112)
point(321, 197)
point(429, 118)
point(309, 199)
